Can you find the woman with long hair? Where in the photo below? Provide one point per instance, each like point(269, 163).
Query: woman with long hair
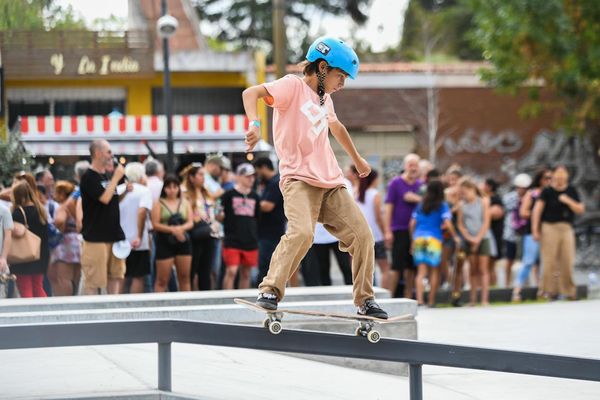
point(65, 260)
point(474, 224)
point(28, 213)
point(552, 224)
point(429, 218)
point(369, 201)
point(203, 246)
point(172, 218)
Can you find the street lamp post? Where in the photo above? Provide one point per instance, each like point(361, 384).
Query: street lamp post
point(166, 26)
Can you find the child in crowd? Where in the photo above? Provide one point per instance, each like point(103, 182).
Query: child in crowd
point(311, 180)
point(429, 218)
point(241, 209)
point(474, 224)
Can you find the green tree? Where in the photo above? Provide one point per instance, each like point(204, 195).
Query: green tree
point(248, 24)
point(37, 15)
point(13, 158)
point(435, 30)
point(553, 42)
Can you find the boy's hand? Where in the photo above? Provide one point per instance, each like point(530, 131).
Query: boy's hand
point(363, 167)
point(252, 138)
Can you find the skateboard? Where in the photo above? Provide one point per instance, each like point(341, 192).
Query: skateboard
point(459, 256)
point(365, 328)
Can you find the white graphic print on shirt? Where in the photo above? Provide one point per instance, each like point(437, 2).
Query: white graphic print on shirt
point(316, 115)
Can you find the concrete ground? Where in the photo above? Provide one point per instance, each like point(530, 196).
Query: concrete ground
point(569, 328)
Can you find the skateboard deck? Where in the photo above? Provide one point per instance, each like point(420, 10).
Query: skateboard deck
point(365, 328)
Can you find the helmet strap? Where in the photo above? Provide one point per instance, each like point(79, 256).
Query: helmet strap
point(321, 86)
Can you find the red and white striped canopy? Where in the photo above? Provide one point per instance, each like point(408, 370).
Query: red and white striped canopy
point(71, 135)
point(131, 127)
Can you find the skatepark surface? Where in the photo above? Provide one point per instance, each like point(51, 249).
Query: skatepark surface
point(218, 373)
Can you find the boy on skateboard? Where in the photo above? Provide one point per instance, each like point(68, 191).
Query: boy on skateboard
point(312, 182)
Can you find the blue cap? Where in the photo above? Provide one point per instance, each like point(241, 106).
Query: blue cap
point(337, 54)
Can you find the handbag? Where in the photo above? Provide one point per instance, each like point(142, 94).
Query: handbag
point(201, 230)
point(8, 287)
point(25, 248)
point(175, 219)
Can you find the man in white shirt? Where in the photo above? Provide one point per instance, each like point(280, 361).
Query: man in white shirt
point(155, 173)
point(134, 210)
point(213, 167)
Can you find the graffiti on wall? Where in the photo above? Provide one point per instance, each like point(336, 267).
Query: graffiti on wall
point(485, 142)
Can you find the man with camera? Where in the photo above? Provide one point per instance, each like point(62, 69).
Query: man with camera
point(101, 226)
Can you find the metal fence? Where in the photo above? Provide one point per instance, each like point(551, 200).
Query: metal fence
point(415, 353)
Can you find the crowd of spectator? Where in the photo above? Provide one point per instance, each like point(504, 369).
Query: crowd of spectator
point(133, 229)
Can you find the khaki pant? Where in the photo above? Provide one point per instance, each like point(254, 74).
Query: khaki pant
point(304, 205)
point(98, 264)
point(557, 249)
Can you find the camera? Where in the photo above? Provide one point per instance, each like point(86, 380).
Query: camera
point(166, 26)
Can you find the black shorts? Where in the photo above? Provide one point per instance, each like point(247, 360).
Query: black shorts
point(165, 249)
point(137, 264)
point(510, 250)
point(401, 257)
point(499, 247)
point(380, 252)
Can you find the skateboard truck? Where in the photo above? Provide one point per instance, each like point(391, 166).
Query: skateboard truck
point(365, 329)
point(273, 323)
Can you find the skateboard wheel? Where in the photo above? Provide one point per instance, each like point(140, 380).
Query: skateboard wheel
point(358, 331)
point(373, 336)
point(275, 327)
point(266, 323)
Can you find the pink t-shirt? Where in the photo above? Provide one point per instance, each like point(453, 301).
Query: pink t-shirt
point(301, 133)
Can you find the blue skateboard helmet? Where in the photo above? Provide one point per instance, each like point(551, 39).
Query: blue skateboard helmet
point(337, 54)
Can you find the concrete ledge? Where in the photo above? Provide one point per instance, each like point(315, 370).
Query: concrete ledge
point(229, 313)
point(233, 313)
point(174, 299)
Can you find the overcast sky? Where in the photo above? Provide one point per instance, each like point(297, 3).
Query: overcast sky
point(381, 30)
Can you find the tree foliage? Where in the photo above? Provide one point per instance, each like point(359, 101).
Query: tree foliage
point(13, 158)
point(556, 42)
point(37, 15)
point(248, 23)
point(437, 27)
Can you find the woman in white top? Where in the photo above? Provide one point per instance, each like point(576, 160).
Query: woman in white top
point(369, 202)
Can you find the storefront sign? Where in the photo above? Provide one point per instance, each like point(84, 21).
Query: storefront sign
point(104, 65)
point(77, 54)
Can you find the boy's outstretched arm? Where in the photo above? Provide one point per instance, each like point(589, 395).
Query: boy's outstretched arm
point(250, 97)
point(340, 133)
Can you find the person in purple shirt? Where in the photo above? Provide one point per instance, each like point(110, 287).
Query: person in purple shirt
point(401, 200)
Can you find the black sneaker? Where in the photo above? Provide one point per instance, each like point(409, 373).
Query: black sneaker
point(267, 300)
point(371, 309)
